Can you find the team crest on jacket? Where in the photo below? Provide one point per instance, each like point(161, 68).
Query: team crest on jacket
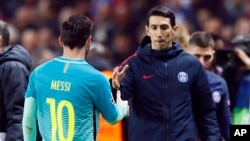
point(216, 96)
point(182, 77)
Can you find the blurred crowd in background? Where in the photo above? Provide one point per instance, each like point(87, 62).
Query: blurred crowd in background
point(118, 24)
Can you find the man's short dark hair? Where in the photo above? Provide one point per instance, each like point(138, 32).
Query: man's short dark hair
point(76, 30)
point(4, 32)
point(162, 11)
point(202, 39)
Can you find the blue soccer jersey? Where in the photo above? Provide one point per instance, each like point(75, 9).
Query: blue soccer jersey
point(70, 95)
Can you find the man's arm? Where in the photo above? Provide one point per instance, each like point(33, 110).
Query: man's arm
point(14, 82)
point(29, 119)
point(204, 108)
point(224, 114)
point(105, 103)
point(224, 118)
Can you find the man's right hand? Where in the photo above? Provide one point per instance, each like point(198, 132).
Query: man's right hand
point(118, 76)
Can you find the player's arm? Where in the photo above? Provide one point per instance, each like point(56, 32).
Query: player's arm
point(105, 103)
point(204, 107)
point(224, 114)
point(30, 110)
point(29, 119)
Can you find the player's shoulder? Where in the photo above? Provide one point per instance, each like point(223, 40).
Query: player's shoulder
point(89, 70)
point(99, 75)
point(43, 65)
point(215, 78)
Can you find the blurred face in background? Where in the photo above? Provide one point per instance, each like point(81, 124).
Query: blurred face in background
point(28, 39)
point(205, 55)
point(161, 32)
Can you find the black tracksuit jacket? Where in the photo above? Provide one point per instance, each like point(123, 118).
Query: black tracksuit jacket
point(169, 96)
point(15, 65)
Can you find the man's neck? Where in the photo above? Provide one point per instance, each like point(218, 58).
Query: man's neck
point(162, 47)
point(74, 54)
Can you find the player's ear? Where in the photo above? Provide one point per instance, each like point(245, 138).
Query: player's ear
point(147, 30)
point(175, 29)
point(88, 41)
point(60, 41)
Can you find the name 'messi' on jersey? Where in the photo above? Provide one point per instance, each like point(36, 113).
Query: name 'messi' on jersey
point(58, 85)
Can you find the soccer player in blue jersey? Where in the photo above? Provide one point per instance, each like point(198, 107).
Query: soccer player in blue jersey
point(66, 94)
point(201, 45)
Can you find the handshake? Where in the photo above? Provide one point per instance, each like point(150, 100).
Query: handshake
point(117, 77)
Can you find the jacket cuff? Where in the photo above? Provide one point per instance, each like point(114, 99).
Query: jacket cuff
point(113, 90)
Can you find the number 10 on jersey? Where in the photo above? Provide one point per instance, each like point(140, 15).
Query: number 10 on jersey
point(57, 120)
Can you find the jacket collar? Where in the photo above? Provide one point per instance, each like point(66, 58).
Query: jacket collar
point(145, 48)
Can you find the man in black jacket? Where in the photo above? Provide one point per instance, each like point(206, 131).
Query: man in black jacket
point(201, 45)
point(15, 65)
point(167, 89)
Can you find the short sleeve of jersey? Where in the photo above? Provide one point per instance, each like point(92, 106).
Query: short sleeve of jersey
point(30, 92)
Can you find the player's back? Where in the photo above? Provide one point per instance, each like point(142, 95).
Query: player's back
point(65, 90)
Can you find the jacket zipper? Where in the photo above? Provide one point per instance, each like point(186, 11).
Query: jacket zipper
point(167, 99)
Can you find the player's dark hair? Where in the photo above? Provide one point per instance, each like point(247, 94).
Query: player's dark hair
point(4, 32)
point(202, 39)
point(76, 30)
point(162, 11)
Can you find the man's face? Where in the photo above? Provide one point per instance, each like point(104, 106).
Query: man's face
point(161, 32)
point(205, 55)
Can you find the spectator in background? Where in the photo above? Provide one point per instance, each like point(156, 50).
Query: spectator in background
point(122, 47)
point(241, 114)
point(167, 88)
point(15, 65)
point(28, 39)
point(100, 57)
point(242, 26)
point(182, 36)
point(201, 45)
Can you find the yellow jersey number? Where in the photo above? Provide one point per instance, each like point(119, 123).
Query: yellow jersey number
point(56, 119)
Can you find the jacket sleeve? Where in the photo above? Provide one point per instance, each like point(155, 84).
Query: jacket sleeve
point(2, 112)
point(224, 114)
point(113, 90)
point(14, 82)
point(127, 86)
point(204, 107)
